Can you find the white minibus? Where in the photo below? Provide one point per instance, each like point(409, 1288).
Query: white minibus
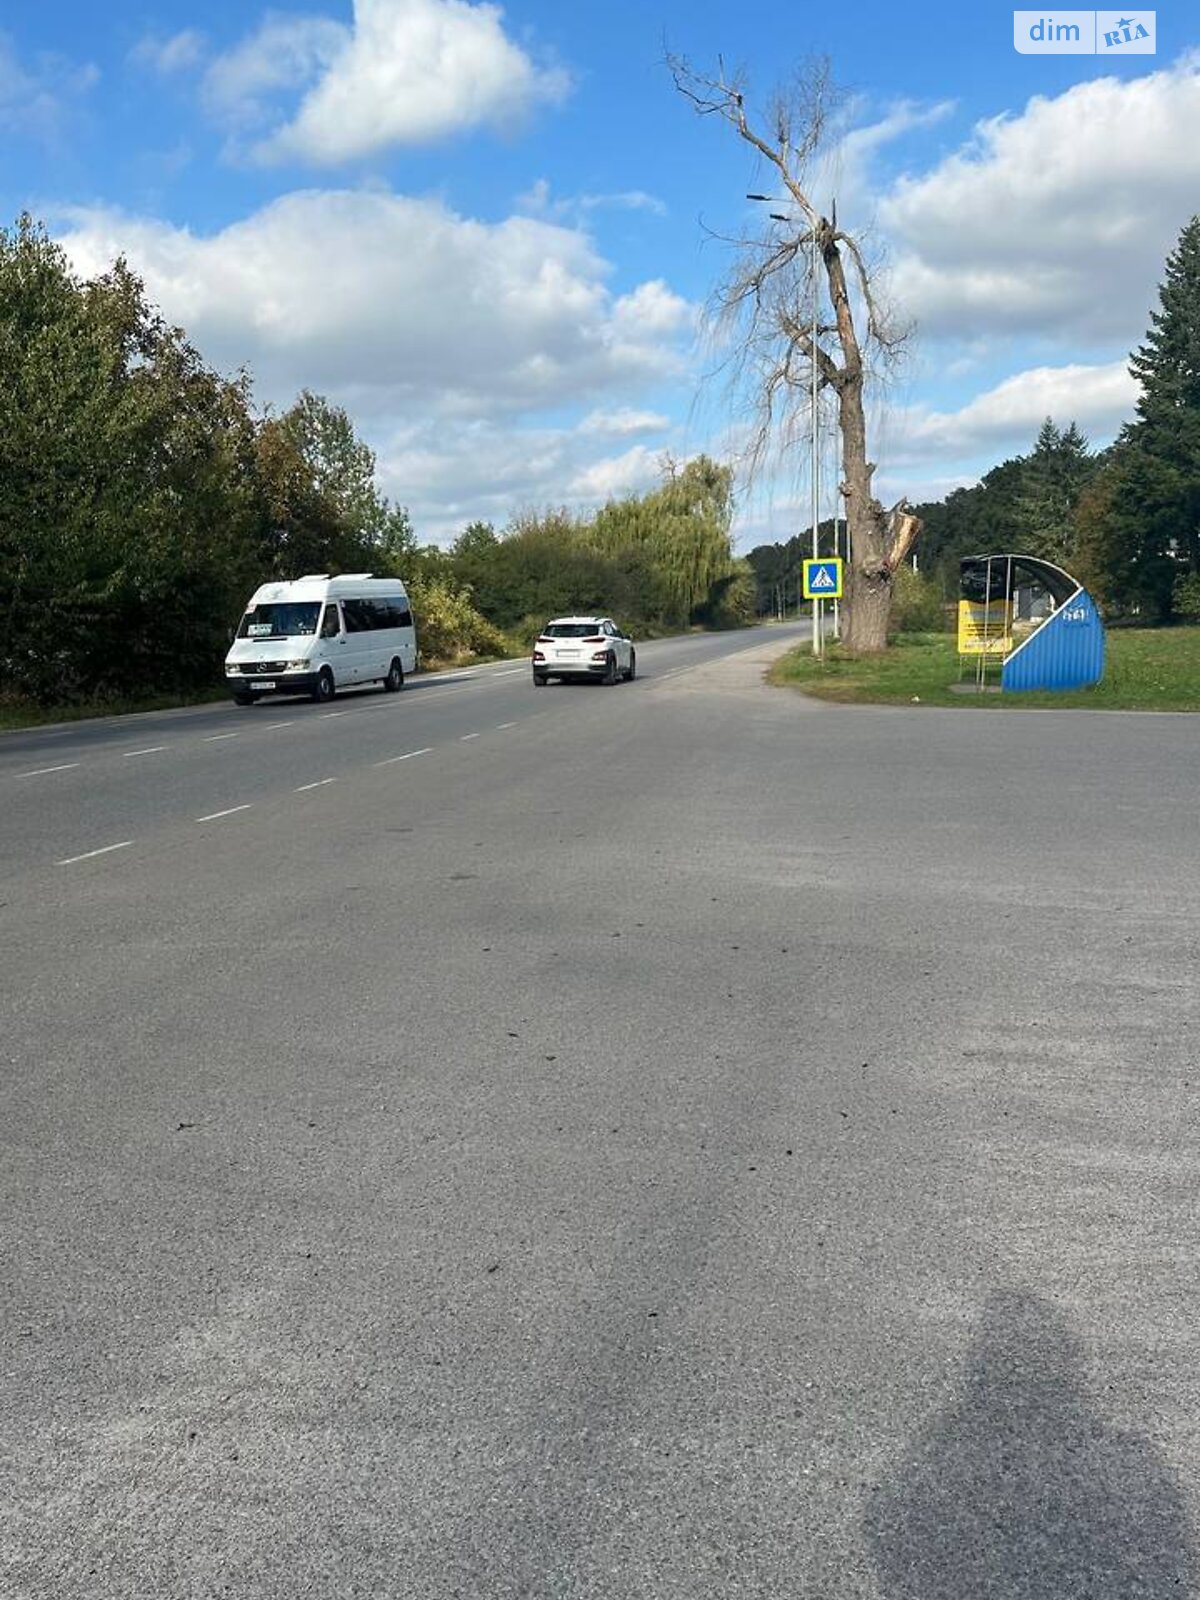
point(316, 635)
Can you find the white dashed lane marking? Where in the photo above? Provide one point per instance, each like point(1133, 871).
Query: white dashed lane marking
point(211, 738)
point(467, 736)
point(39, 772)
point(391, 760)
point(88, 854)
point(213, 816)
point(320, 784)
point(150, 750)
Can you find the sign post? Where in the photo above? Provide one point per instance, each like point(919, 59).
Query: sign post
point(822, 581)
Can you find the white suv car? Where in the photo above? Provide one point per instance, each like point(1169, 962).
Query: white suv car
point(583, 647)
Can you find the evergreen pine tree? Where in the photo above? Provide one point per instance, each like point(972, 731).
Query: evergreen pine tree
point(1152, 543)
point(1054, 476)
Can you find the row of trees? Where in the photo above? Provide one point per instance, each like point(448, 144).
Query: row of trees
point(142, 499)
point(662, 560)
point(1124, 520)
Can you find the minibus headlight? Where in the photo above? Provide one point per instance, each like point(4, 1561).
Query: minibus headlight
point(294, 666)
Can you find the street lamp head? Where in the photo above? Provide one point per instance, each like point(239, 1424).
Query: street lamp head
point(760, 197)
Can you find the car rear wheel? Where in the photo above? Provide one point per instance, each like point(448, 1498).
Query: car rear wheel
point(539, 680)
point(612, 675)
point(395, 678)
point(631, 672)
point(324, 689)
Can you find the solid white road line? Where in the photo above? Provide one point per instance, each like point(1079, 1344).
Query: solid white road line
point(41, 771)
point(150, 750)
point(88, 854)
point(320, 784)
point(213, 815)
point(391, 760)
point(211, 738)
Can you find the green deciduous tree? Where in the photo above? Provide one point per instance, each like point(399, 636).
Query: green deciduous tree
point(674, 543)
point(126, 484)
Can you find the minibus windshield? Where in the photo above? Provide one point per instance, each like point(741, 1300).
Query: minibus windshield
point(280, 620)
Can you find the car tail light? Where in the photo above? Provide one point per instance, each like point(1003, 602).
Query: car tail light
point(545, 639)
point(538, 655)
point(599, 655)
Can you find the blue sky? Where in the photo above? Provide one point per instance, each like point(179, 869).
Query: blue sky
point(483, 229)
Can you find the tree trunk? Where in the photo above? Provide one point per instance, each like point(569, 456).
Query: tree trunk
point(868, 605)
point(869, 585)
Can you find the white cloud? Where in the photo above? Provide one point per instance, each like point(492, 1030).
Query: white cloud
point(652, 310)
point(1099, 398)
point(398, 301)
point(448, 340)
point(919, 488)
point(286, 53)
point(847, 169)
point(176, 54)
point(632, 472)
point(624, 423)
point(406, 72)
point(538, 201)
point(36, 100)
point(491, 471)
point(1055, 221)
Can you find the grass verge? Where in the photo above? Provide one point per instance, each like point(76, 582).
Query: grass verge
point(1147, 669)
point(29, 714)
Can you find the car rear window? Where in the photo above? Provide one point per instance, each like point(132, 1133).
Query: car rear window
point(571, 630)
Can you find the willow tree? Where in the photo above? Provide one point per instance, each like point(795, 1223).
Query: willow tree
point(800, 271)
point(681, 530)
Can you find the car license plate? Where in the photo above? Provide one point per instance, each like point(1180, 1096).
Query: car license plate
point(262, 683)
point(568, 655)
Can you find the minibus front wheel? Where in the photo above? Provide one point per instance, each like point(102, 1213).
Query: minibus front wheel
point(324, 689)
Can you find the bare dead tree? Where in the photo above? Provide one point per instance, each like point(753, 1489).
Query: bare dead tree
point(766, 303)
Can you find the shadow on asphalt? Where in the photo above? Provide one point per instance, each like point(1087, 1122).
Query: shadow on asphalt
point(1020, 1490)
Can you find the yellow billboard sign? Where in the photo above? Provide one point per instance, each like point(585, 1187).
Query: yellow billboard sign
point(985, 630)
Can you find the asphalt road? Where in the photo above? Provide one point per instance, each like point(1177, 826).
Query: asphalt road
point(666, 1140)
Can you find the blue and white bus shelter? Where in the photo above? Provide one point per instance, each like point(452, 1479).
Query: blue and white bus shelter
point(1062, 649)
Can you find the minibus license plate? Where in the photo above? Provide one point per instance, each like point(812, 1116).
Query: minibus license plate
point(261, 683)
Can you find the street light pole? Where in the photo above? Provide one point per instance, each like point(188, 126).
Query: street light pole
point(816, 440)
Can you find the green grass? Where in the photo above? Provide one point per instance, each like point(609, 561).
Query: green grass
point(1146, 669)
point(29, 714)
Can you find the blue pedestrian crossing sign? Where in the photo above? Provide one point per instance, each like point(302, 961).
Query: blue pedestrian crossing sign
point(823, 579)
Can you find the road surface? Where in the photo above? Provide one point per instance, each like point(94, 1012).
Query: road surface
point(659, 1142)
